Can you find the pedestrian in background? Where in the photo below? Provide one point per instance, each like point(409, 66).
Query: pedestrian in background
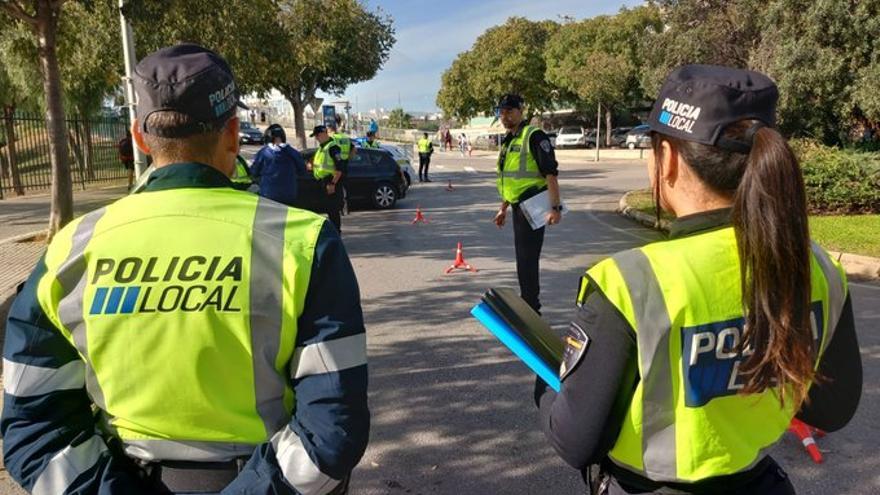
point(689, 357)
point(189, 338)
point(330, 168)
point(276, 167)
point(447, 140)
point(426, 149)
point(125, 149)
point(526, 167)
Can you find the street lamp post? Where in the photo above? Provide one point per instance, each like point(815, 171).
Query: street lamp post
point(140, 160)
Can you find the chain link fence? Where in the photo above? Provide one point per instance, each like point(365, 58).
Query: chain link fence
point(25, 166)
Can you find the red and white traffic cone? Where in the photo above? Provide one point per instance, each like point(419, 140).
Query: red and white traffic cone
point(459, 262)
point(419, 216)
point(449, 186)
point(804, 432)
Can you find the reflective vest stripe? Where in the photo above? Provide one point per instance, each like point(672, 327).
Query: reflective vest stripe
point(836, 291)
point(25, 380)
point(266, 287)
point(63, 469)
point(73, 278)
point(525, 149)
point(298, 468)
point(177, 450)
point(652, 320)
point(329, 356)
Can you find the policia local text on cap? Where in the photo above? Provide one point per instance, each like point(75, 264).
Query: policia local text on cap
point(689, 357)
point(217, 334)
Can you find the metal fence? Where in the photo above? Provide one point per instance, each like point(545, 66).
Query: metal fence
point(25, 165)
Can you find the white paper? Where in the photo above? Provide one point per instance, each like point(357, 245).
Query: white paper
point(536, 208)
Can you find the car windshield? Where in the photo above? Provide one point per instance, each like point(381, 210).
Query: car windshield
point(246, 126)
point(570, 130)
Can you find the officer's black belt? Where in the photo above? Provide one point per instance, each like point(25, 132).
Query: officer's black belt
point(195, 477)
point(728, 484)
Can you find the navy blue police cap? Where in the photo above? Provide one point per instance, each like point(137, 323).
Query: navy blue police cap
point(318, 130)
point(697, 102)
point(511, 100)
point(188, 79)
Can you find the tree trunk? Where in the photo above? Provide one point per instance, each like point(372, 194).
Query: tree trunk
point(296, 101)
point(75, 146)
point(607, 127)
point(11, 154)
point(85, 139)
point(61, 210)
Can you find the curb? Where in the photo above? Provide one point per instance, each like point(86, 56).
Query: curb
point(856, 266)
point(23, 237)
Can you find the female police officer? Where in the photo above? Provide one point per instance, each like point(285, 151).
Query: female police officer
point(689, 357)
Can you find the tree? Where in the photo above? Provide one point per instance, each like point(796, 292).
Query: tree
point(398, 119)
point(596, 60)
point(505, 59)
point(41, 17)
point(324, 45)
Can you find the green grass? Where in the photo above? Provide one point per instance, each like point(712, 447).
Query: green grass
point(855, 234)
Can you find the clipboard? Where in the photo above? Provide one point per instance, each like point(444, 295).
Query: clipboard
point(536, 208)
point(522, 330)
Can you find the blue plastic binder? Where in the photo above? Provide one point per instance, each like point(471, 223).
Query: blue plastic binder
point(503, 332)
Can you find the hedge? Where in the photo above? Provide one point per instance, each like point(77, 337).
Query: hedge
point(839, 180)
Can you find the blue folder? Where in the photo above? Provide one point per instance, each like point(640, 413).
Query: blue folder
point(509, 337)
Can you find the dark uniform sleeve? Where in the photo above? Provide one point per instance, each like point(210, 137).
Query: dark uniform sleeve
point(330, 428)
point(50, 441)
point(336, 154)
point(583, 421)
point(543, 152)
point(257, 165)
point(834, 398)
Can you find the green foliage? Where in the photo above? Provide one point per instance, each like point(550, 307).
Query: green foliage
point(398, 119)
point(839, 180)
point(20, 80)
point(505, 59)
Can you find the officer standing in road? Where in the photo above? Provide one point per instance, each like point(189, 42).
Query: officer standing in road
point(329, 167)
point(241, 177)
point(689, 357)
point(343, 140)
point(371, 142)
point(426, 149)
point(190, 338)
point(526, 167)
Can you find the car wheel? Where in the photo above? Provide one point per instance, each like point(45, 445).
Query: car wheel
point(384, 196)
point(631, 146)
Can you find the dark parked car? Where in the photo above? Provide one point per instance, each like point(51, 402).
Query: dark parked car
point(618, 136)
point(638, 137)
point(373, 177)
point(249, 134)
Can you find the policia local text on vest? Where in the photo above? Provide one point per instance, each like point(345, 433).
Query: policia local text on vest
point(655, 365)
point(190, 338)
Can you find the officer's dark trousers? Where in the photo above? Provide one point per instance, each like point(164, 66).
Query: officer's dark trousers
point(424, 163)
point(528, 245)
point(334, 206)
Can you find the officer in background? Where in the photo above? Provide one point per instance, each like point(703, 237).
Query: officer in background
point(241, 177)
point(526, 167)
point(276, 167)
point(371, 142)
point(343, 141)
point(329, 167)
point(190, 338)
point(426, 149)
point(669, 383)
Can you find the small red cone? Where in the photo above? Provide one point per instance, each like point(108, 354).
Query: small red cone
point(804, 432)
point(419, 216)
point(449, 186)
point(459, 261)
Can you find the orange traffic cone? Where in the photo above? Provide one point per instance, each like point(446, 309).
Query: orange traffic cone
point(805, 432)
point(459, 261)
point(449, 186)
point(419, 216)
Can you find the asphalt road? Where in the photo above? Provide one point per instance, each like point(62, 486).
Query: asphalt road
point(452, 409)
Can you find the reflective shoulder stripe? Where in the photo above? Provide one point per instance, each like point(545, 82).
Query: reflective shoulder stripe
point(329, 356)
point(298, 468)
point(836, 291)
point(654, 326)
point(67, 465)
point(24, 380)
point(183, 450)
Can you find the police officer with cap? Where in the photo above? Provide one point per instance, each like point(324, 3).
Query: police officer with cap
point(689, 357)
point(371, 142)
point(526, 167)
point(190, 338)
point(330, 167)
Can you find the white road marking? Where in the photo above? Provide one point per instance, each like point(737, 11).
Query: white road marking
point(441, 166)
point(470, 169)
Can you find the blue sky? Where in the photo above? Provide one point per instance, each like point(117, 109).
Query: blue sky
point(430, 34)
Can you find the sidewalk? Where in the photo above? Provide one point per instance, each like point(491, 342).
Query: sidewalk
point(23, 218)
